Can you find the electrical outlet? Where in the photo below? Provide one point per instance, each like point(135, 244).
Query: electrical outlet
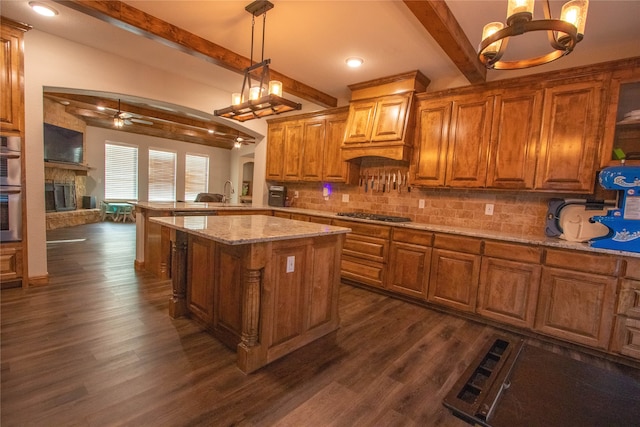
point(421, 203)
point(345, 198)
point(291, 264)
point(325, 192)
point(295, 194)
point(488, 209)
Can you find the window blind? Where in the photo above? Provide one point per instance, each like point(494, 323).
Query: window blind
point(121, 172)
point(196, 179)
point(162, 176)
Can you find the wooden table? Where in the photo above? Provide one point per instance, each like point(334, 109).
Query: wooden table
point(264, 286)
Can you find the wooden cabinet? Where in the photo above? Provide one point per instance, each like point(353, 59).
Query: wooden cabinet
point(455, 271)
point(569, 140)
point(308, 148)
point(292, 162)
point(284, 151)
point(509, 281)
point(626, 333)
point(410, 262)
point(430, 152)
point(577, 297)
point(12, 63)
point(452, 147)
point(312, 157)
point(11, 264)
point(379, 127)
point(334, 168)
point(469, 136)
point(365, 253)
point(621, 128)
point(275, 152)
point(514, 141)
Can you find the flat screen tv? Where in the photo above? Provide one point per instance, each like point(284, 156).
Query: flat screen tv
point(62, 145)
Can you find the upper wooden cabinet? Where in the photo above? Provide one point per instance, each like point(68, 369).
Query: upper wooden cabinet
point(379, 127)
point(334, 168)
point(469, 135)
point(307, 148)
point(453, 141)
point(275, 152)
point(12, 63)
point(622, 128)
point(541, 137)
point(515, 131)
point(569, 141)
point(312, 155)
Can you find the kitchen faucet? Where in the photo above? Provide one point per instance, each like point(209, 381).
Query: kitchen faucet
point(224, 191)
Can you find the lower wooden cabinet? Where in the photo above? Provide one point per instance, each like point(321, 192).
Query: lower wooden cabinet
point(453, 281)
point(11, 265)
point(509, 282)
point(365, 252)
point(508, 291)
point(626, 334)
point(410, 262)
point(576, 307)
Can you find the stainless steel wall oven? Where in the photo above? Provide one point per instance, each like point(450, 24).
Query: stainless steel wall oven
point(10, 189)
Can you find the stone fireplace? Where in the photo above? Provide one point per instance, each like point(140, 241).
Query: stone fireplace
point(63, 191)
point(60, 196)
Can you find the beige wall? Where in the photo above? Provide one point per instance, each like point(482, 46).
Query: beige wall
point(52, 62)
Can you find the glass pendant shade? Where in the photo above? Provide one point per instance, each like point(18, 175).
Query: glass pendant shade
point(488, 30)
point(575, 12)
point(236, 98)
point(519, 10)
point(275, 88)
point(254, 93)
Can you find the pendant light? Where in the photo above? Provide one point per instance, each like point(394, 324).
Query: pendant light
point(258, 97)
point(118, 121)
point(563, 34)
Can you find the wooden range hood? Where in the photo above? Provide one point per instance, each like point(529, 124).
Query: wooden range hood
point(381, 117)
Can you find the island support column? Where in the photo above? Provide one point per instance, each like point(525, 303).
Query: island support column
point(250, 354)
point(178, 303)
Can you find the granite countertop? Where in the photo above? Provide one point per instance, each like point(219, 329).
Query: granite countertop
point(243, 229)
point(194, 206)
point(482, 234)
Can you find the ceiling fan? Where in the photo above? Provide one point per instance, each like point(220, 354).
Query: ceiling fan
point(121, 118)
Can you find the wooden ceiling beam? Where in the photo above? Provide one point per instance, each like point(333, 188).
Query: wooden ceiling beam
point(138, 22)
point(436, 17)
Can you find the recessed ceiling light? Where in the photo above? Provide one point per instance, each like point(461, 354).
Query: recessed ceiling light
point(354, 62)
point(210, 130)
point(43, 9)
point(101, 108)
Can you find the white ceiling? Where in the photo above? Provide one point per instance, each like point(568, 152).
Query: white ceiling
point(309, 40)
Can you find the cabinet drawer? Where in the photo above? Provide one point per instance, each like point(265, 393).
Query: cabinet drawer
point(10, 264)
point(589, 263)
point(362, 271)
point(320, 220)
point(300, 217)
point(364, 247)
point(458, 243)
point(372, 230)
point(416, 237)
point(512, 252)
point(626, 338)
point(629, 299)
point(633, 268)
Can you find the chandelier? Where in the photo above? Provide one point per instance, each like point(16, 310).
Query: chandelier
point(259, 97)
point(563, 34)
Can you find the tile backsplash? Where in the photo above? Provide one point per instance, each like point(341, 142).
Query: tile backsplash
point(521, 214)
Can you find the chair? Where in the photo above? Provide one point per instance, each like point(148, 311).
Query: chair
point(209, 197)
point(107, 211)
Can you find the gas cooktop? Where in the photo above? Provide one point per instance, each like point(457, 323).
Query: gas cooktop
point(374, 217)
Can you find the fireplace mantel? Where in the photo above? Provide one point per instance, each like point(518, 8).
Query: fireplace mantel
point(79, 168)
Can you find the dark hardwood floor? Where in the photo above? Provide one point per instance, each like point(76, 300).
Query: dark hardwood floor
point(96, 347)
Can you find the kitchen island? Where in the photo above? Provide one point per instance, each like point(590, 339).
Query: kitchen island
point(264, 286)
